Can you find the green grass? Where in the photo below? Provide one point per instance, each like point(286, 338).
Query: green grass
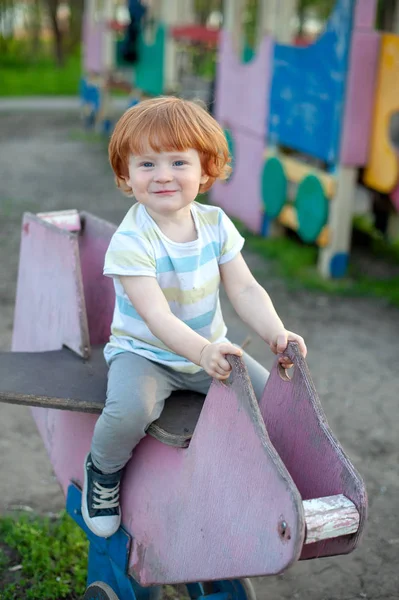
point(53, 555)
point(297, 264)
point(21, 76)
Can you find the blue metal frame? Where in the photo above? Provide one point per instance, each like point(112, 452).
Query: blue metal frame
point(109, 561)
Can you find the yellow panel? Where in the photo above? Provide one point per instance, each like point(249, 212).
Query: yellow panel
point(382, 171)
point(288, 218)
point(296, 171)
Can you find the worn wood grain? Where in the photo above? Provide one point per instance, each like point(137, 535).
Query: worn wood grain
point(299, 431)
point(330, 517)
point(63, 380)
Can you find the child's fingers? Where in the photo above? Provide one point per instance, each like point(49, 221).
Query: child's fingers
point(227, 348)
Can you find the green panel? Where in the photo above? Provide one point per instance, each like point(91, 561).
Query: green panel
point(149, 69)
point(312, 208)
point(274, 187)
point(231, 145)
point(247, 53)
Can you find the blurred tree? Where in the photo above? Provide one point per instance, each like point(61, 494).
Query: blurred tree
point(320, 8)
point(75, 24)
point(203, 9)
point(386, 12)
point(7, 24)
point(52, 9)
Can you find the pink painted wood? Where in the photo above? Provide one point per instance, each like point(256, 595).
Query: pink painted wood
point(242, 89)
point(358, 116)
point(93, 37)
point(98, 290)
point(241, 196)
point(316, 462)
point(365, 14)
point(49, 308)
point(215, 510)
point(199, 513)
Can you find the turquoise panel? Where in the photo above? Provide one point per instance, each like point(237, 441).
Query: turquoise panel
point(247, 54)
point(274, 187)
point(312, 208)
point(231, 145)
point(149, 69)
point(308, 89)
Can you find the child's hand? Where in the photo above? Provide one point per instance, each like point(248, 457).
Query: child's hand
point(213, 361)
point(279, 343)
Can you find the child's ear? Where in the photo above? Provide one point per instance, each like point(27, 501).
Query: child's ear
point(204, 178)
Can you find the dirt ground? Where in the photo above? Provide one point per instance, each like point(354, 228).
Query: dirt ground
point(47, 164)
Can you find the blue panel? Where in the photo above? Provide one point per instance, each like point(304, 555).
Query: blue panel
point(308, 89)
point(339, 265)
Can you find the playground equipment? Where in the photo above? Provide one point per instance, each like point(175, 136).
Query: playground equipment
point(303, 121)
point(222, 488)
point(154, 69)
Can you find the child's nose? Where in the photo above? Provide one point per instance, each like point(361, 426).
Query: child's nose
point(163, 174)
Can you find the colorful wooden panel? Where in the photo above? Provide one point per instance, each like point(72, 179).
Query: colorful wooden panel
point(308, 89)
point(149, 69)
point(98, 290)
point(360, 96)
point(365, 14)
point(93, 42)
point(382, 172)
point(311, 207)
point(241, 195)
point(49, 307)
point(296, 171)
point(274, 187)
point(242, 88)
point(300, 433)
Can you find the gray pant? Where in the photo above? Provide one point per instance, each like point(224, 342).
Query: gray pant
point(136, 394)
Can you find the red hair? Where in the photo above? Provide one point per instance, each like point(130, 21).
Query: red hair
point(167, 124)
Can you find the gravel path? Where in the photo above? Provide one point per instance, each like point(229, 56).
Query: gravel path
point(46, 164)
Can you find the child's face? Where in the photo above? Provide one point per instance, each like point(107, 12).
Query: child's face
point(165, 182)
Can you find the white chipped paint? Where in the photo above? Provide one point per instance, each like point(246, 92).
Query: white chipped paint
point(329, 517)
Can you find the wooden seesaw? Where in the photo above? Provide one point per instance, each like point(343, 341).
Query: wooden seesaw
point(222, 489)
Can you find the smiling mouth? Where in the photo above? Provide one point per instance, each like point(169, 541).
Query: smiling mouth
point(163, 192)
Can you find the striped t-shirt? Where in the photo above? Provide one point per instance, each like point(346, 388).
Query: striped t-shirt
point(188, 274)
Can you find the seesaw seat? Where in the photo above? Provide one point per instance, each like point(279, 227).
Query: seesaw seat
point(61, 379)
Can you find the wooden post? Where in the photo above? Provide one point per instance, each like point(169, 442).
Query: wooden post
point(334, 258)
point(174, 12)
point(233, 12)
point(286, 12)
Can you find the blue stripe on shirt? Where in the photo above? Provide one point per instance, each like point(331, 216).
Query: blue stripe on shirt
point(189, 263)
point(127, 309)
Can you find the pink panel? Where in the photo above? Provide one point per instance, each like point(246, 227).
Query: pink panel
point(365, 14)
point(300, 433)
point(93, 42)
point(360, 98)
point(199, 513)
point(242, 90)
point(98, 290)
point(49, 308)
point(395, 198)
point(240, 197)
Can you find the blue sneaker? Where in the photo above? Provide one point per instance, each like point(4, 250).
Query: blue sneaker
point(100, 500)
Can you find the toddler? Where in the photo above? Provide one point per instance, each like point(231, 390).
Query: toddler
point(167, 259)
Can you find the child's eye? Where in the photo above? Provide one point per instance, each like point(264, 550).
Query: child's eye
point(179, 163)
point(147, 164)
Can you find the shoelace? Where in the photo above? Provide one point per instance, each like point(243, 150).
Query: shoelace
point(106, 497)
